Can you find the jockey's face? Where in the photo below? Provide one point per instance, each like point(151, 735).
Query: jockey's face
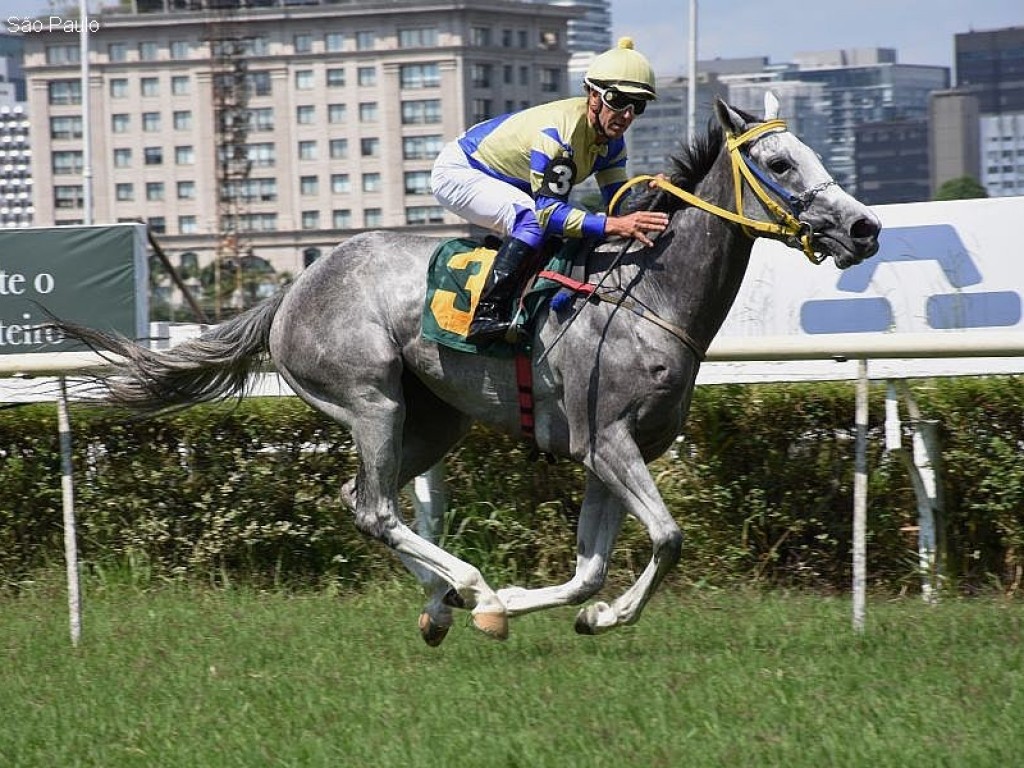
point(609, 123)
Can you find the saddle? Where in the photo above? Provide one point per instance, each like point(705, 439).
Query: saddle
point(456, 277)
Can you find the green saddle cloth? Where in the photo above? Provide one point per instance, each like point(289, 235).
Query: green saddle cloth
point(455, 279)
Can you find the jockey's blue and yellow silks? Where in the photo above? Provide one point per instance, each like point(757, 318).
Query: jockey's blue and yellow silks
point(520, 149)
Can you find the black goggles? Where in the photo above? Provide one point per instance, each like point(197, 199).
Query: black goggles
point(617, 101)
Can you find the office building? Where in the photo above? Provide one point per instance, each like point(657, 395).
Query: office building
point(15, 153)
point(990, 66)
point(277, 130)
point(953, 137)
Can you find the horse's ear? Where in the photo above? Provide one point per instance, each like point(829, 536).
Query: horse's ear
point(731, 120)
point(771, 106)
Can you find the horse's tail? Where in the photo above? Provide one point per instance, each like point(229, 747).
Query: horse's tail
point(214, 366)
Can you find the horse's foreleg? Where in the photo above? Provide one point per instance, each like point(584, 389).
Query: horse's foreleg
point(618, 462)
point(599, 525)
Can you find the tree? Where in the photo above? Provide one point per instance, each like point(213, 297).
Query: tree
point(961, 188)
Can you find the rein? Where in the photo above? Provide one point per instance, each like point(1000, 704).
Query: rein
point(786, 224)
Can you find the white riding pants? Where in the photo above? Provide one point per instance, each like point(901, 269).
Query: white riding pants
point(481, 199)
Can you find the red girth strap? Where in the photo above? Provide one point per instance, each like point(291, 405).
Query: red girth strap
point(524, 381)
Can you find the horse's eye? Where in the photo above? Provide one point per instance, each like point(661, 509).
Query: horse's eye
point(779, 166)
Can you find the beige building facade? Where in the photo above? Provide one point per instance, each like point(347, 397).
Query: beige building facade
point(344, 108)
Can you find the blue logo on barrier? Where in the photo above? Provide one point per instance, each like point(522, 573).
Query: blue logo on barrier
point(934, 242)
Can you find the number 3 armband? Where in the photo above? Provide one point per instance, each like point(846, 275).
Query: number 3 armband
point(559, 177)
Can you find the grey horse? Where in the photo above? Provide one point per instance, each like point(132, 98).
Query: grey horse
point(612, 393)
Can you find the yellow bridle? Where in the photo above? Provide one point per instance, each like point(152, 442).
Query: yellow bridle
point(785, 226)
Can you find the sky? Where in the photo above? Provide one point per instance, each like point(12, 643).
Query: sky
point(920, 30)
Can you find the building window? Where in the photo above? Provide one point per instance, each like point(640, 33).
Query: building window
point(188, 225)
point(303, 43)
point(66, 127)
point(334, 42)
point(259, 83)
point(184, 155)
point(180, 49)
point(186, 190)
point(120, 123)
point(524, 75)
point(421, 147)
point(421, 112)
point(180, 85)
point(523, 38)
point(336, 77)
point(183, 120)
point(336, 113)
point(368, 112)
point(150, 122)
point(417, 182)
point(60, 55)
point(550, 80)
point(117, 52)
point(424, 214)
point(157, 225)
point(311, 219)
point(119, 88)
point(69, 196)
point(304, 80)
point(154, 191)
point(309, 185)
point(67, 162)
point(262, 155)
point(482, 110)
point(506, 38)
point(64, 92)
point(122, 158)
point(305, 114)
point(341, 218)
point(307, 150)
point(366, 76)
point(371, 182)
point(373, 217)
point(423, 37)
point(369, 147)
point(366, 40)
point(340, 184)
point(124, 193)
point(153, 155)
point(419, 76)
point(480, 37)
point(148, 51)
point(261, 120)
point(338, 149)
point(481, 75)
point(150, 86)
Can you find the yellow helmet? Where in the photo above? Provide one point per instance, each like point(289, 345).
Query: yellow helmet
point(625, 69)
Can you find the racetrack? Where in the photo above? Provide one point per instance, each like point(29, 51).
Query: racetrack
point(178, 676)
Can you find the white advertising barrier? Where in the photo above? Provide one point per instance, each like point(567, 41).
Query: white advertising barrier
point(944, 290)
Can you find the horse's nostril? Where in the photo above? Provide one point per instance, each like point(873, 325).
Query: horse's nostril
point(864, 228)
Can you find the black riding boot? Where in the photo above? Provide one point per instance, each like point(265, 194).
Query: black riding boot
point(492, 317)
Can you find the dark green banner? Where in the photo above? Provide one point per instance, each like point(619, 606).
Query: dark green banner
point(93, 275)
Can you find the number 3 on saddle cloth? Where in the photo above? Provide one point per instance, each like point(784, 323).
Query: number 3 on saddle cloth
point(456, 278)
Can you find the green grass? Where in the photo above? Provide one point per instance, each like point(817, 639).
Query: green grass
point(179, 677)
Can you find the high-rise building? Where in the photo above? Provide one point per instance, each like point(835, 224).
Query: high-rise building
point(274, 129)
point(589, 33)
point(15, 153)
point(827, 95)
point(990, 66)
point(953, 137)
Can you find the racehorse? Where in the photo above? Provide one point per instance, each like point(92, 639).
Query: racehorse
point(612, 380)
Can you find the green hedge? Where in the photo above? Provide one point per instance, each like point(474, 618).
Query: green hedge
point(761, 485)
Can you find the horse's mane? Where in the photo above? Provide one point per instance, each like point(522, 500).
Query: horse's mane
point(686, 168)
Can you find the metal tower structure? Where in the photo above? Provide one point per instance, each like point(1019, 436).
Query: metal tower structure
point(231, 90)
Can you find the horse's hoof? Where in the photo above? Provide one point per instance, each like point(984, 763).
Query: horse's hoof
point(433, 633)
point(595, 619)
point(492, 624)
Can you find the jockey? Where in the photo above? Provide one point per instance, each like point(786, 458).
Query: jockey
point(513, 174)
